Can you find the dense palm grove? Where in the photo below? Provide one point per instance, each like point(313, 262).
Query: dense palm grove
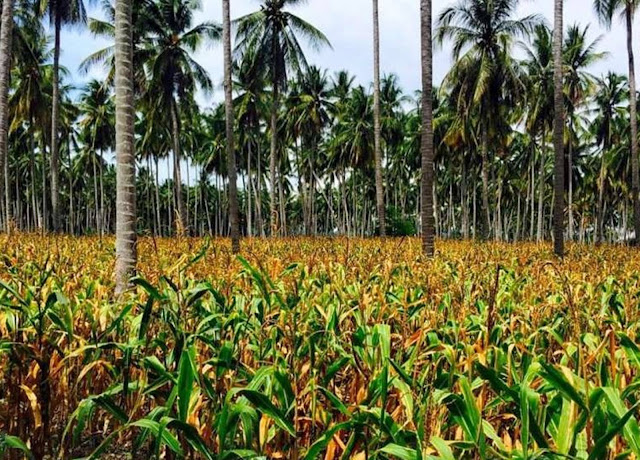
point(493, 127)
point(317, 342)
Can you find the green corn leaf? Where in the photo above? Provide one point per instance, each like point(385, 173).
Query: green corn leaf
point(154, 427)
point(630, 349)
point(631, 429)
point(322, 443)
point(402, 453)
point(186, 377)
point(443, 448)
point(13, 442)
point(554, 377)
point(264, 405)
point(148, 288)
point(192, 437)
point(600, 448)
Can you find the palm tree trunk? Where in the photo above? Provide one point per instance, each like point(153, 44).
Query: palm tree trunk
point(95, 192)
point(376, 121)
point(532, 195)
point(485, 182)
point(518, 218)
point(635, 173)
point(43, 175)
point(32, 177)
point(102, 215)
point(6, 34)
point(540, 229)
point(428, 247)
point(600, 214)
point(182, 218)
point(158, 203)
point(273, 163)
point(249, 192)
point(558, 132)
point(436, 207)
point(126, 255)
point(55, 107)
point(283, 204)
point(231, 154)
point(570, 178)
point(258, 197)
point(205, 199)
point(464, 201)
point(71, 207)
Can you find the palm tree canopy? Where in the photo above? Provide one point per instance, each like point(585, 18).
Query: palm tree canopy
point(271, 36)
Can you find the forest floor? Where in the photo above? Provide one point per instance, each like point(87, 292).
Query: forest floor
point(319, 348)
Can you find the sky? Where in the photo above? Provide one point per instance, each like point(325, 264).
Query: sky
point(347, 25)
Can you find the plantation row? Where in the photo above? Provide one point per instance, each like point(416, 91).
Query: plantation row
point(324, 348)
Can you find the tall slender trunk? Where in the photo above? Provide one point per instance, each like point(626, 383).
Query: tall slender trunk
point(313, 216)
point(635, 173)
point(428, 246)
point(464, 200)
point(533, 197)
point(55, 107)
point(7, 185)
point(558, 132)
point(518, 217)
point(6, 34)
point(158, 203)
point(436, 207)
point(283, 203)
point(600, 211)
point(18, 198)
point(126, 254)
point(71, 207)
point(95, 192)
point(182, 219)
point(485, 182)
point(32, 178)
point(259, 196)
point(570, 178)
point(249, 192)
point(475, 212)
point(43, 175)
point(376, 121)
point(273, 163)
point(540, 228)
point(208, 214)
point(231, 154)
point(498, 213)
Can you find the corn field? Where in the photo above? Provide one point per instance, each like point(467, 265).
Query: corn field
point(318, 349)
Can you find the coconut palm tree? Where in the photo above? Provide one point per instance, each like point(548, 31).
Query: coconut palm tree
point(539, 118)
point(377, 149)
point(105, 28)
point(270, 38)
point(30, 102)
point(611, 98)
point(174, 74)
point(251, 101)
point(60, 12)
point(483, 32)
point(126, 255)
point(308, 115)
point(231, 154)
point(6, 34)
point(558, 130)
point(427, 130)
point(605, 10)
point(97, 123)
point(579, 54)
